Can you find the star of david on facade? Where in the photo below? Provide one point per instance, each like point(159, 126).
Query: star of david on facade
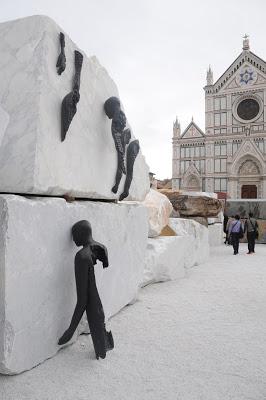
point(246, 76)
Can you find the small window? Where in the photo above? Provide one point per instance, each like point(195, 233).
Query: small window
point(223, 118)
point(217, 103)
point(223, 103)
point(223, 149)
point(217, 119)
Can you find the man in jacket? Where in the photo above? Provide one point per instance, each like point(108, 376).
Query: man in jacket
point(235, 230)
point(251, 227)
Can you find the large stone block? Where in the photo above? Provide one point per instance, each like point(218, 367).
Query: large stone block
point(199, 249)
point(215, 234)
point(159, 209)
point(33, 160)
point(196, 206)
point(37, 283)
point(165, 259)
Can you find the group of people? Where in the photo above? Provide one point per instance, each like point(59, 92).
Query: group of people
point(235, 230)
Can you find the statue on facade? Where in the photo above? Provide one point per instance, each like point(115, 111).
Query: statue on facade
point(88, 298)
point(121, 136)
point(61, 61)
point(69, 103)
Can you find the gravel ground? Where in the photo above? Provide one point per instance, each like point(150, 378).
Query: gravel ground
point(202, 337)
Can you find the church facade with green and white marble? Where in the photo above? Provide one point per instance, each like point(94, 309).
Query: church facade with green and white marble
point(230, 155)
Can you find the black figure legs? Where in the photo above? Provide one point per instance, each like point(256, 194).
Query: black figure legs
point(82, 293)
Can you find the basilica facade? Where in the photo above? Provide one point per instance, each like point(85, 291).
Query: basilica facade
point(229, 157)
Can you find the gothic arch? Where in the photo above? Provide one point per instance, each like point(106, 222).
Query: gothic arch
point(249, 167)
point(192, 182)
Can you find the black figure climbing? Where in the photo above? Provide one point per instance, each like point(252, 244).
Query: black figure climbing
point(132, 152)
point(88, 298)
point(120, 135)
point(61, 61)
point(69, 103)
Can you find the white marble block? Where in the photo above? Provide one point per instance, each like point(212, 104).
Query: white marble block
point(199, 250)
point(33, 160)
point(159, 209)
point(165, 259)
point(37, 283)
point(216, 234)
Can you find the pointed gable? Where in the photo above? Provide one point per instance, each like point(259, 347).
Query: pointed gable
point(192, 131)
point(192, 170)
point(247, 148)
point(247, 69)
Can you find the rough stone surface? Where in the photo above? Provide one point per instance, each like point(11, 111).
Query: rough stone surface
point(197, 206)
point(37, 283)
point(165, 259)
point(218, 219)
point(199, 249)
point(215, 234)
point(205, 194)
point(33, 160)
point(201, 220)
point(159, 209)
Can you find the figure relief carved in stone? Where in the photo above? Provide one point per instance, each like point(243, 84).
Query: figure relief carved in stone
point(121, 136)
point(70, 101)
point(61, 61)
point(88, 299)
point(249, 168)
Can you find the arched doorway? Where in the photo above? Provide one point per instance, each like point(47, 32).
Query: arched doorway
point(249, 176)
point(249, 192)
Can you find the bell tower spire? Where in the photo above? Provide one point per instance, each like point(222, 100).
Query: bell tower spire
point(176, 128)
point(209, 76)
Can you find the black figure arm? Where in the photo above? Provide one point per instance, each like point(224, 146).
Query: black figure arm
point(70, 101)
point(82, 263)
point(101, 254)
point(61, 61)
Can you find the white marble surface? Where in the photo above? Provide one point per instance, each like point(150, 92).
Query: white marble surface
point(165, 259)
point(159, 209)
point(199, 250)
point(216, 234)
point(208, 194)
point(32, 157)
point(37, 283)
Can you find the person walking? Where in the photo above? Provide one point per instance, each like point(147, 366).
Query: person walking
point(226, 218)
point(235, 232)
point(228, 236)
point(251, 227)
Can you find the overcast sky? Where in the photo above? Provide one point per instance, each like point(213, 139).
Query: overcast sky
point(157, 51)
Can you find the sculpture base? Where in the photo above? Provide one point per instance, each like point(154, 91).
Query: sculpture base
point(37, 283)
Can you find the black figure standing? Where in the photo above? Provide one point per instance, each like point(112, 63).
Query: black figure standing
point(88, 298)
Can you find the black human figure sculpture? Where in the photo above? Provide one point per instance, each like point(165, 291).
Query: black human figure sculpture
point(61, 61)
point(87, 294)
point(120, 135)
point(132, 152)
point(69, 103)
